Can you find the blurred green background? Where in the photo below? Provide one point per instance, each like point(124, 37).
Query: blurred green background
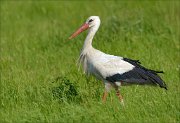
point(40, 81)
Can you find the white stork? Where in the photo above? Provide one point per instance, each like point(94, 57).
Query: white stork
point(114, 71)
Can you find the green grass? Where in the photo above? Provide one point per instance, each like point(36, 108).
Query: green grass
point(40, 81)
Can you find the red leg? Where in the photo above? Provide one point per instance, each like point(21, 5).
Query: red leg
point(104, 96)
point(107, 89)
point(119, 96)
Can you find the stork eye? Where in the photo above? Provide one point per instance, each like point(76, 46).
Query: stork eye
point(90, 20)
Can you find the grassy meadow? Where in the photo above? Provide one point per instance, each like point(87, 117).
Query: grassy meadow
point(40, 81)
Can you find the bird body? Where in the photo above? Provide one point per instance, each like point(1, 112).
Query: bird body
point(112, 70)
point(103, 65)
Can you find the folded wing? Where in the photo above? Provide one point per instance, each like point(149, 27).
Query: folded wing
point(129, 71)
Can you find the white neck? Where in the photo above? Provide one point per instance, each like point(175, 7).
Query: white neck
point(90, 36)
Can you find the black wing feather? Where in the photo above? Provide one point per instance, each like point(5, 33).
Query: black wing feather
point(138, 75)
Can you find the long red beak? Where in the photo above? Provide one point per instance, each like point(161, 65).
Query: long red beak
point(81, 29)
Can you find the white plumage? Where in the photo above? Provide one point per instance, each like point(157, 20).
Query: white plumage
point(103, 65)
point(112, 70)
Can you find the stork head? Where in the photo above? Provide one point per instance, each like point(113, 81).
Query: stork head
point(92, 22)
